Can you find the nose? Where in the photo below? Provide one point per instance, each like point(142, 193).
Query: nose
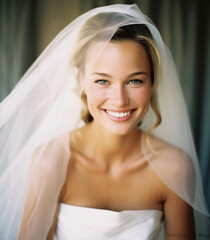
point(119, 96)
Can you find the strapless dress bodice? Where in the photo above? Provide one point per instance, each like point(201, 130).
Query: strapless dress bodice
point(83, 223)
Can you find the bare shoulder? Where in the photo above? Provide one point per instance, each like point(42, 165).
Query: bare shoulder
point(168, 159)
point(50, 155)
point(176, 170)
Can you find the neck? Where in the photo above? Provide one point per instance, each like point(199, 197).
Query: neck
point(112, 147)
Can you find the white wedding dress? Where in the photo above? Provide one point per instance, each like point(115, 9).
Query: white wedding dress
point(82, 223)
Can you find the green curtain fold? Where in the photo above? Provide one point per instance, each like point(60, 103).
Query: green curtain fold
point(15, 44)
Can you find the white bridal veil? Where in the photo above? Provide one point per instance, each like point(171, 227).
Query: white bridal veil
point(37, 116)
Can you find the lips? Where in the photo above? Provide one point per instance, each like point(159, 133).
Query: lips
point(119, 116)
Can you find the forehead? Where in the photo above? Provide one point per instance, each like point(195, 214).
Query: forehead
point(125, 55)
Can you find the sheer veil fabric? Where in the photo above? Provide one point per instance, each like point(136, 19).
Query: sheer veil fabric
point(45, 106)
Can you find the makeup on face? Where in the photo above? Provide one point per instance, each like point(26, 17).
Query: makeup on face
point(118, 87)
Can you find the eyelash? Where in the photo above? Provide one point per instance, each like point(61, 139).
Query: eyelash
point(131, 82)
point(102, 82)
point(135, 82)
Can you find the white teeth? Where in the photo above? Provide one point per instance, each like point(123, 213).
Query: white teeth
point(117, 114)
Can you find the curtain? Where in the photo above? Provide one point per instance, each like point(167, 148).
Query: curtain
point(184, 26)
point(15, 42)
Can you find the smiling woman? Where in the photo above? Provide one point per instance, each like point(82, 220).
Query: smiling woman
point(118, 88)
point(95, 139)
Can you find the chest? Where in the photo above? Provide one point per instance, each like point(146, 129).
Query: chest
point(116, 188)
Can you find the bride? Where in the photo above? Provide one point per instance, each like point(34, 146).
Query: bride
point(95, 139)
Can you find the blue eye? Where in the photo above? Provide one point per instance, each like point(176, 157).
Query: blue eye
point(102, 82)
point(135, 82)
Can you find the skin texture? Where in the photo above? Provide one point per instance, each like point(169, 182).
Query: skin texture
point(107, 168)
point(119, 81)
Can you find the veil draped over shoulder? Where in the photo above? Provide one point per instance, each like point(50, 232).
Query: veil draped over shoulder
point(45, 106)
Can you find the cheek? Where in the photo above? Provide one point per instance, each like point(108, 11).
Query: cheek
point(142, 97)
point(96, 97)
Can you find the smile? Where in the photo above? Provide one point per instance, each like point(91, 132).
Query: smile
point(118, 114)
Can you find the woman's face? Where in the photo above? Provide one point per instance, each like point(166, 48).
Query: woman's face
point(118, 86)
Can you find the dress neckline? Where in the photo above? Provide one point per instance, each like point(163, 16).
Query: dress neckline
point(108, 210)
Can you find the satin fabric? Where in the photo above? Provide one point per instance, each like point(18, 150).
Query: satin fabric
point(82, 223)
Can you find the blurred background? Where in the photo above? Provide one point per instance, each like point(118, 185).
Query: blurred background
point(28, 26)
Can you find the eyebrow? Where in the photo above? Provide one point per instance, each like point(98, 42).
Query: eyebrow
point(130, 75)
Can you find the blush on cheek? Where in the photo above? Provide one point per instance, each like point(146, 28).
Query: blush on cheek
point(142, 97)
point(96, 98)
